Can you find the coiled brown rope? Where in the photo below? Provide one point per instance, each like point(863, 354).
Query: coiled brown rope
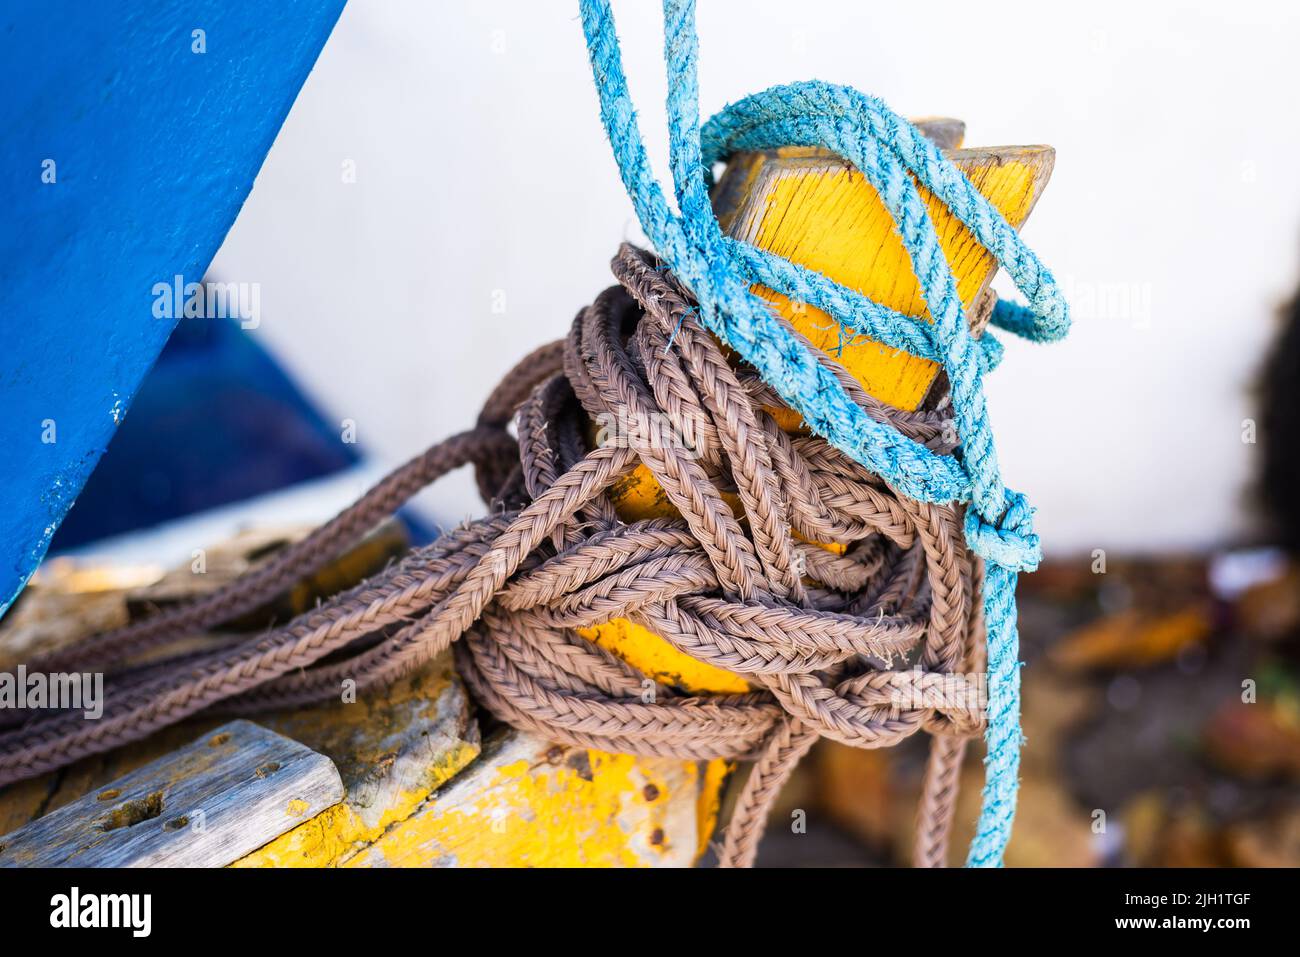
point(851, 646)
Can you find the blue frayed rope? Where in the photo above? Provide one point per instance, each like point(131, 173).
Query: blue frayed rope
point(719, 270)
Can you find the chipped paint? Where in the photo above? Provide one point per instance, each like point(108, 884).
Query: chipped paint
point(544, 805)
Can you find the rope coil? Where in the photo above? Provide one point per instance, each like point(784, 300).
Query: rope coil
point(855, 647)
point(815, 632)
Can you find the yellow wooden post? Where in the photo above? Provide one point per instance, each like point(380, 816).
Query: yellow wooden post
point(816, 210)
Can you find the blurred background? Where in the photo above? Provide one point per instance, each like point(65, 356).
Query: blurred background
point(441, 200)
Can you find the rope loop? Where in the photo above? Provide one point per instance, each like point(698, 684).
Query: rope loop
point(1010, 540)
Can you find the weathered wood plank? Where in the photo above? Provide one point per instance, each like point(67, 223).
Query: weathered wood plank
point(205, 805)
point(26, 801)
point(393, 748)
point(67, 600)
point(530, 803)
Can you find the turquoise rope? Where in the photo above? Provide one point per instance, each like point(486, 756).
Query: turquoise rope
point(719, 270)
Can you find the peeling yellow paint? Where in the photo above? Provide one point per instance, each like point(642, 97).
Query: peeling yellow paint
point(592, 810)
point(330, 837)
point(364, 740)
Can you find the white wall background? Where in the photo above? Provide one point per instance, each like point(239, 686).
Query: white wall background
point(480, 164)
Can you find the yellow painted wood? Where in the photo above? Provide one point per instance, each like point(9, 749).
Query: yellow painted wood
point(393, 749)
point(532, 803)
point(819, 213)
point(420, 788)
point(814, 209)
point(647, 652)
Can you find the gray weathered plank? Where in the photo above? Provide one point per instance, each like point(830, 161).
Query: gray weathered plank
point(206, 805)
point(394, 747)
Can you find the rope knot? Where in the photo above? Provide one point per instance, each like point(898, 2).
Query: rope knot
point(1009, 540)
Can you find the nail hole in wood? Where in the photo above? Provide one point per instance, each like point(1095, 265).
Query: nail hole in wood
point(133, 812)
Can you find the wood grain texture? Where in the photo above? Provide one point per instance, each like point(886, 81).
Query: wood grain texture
point(816, 210)
point(394, 747)
point(205, 805)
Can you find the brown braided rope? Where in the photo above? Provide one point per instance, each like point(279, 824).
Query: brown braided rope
point(850, 646)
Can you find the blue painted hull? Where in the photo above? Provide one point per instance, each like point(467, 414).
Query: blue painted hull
point(133, 132)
